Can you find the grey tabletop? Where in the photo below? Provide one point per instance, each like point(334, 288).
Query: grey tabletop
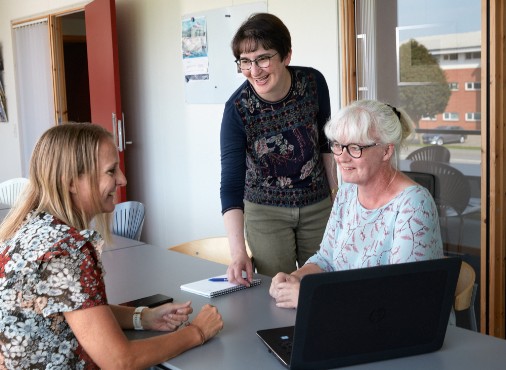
point(146, 269)
point(119, 242)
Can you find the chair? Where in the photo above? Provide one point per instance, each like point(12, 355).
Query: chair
point(433, 153)
point(11, 189)
point(465, 293)
point(453, 191)
point(128, 219)
point(427, 180)
point(214, 249)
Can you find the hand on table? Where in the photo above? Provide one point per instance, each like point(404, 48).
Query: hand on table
point(235, 269)
point(285, 290)
point(167, 317)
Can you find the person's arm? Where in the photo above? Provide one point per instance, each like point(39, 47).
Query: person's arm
point(167, 317)
point(285, 287)
point(234, 224)
point(324, 114)
point(233, 173)
point(331, 172)
point(418, 235)
point(98, 332)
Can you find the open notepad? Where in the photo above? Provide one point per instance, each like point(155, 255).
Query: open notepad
point(212, 289)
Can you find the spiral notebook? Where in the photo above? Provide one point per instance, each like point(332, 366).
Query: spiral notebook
point(210, 289)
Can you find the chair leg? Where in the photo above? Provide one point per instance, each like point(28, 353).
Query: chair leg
point(472, 314)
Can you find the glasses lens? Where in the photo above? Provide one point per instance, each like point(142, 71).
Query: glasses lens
point(336, 148)
point(245, 64)
point(354, 150)
point(263, 62)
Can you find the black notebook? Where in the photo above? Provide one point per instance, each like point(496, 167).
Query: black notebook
point(210, 289)
point(369, 314)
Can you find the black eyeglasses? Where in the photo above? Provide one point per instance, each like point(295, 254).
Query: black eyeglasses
point(354, 150)
point(262, 62)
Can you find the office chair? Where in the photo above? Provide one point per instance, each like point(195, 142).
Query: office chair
point(453, 191)
point(434, 153)
point(214, 249)
point(427, 180)
point(11, 189)
point(465, 293)
point(128, 219)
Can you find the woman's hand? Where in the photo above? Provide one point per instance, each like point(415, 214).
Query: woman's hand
point(239, 264)
point(167, 317)
point(209, 321)
point(285, 290)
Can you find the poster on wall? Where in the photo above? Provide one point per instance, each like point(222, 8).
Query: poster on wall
point(194, 44)
point(3, 104)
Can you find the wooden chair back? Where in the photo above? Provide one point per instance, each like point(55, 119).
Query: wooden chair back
point(464, 290)
point(214, 249)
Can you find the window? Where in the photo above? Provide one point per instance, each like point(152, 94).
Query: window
point(473, 86)
point(454, 86)
point(429, 118)
point(450, 116)
point(453, 56)
point(473, 55)
point(473, 116)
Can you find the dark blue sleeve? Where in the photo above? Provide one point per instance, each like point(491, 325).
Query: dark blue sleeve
point(233, 159)
point(324, 110)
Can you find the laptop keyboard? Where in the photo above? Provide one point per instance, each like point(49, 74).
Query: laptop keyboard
point(285, 344)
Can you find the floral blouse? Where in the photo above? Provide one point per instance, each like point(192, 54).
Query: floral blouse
point(271, 151)
point(46, 269)
point(404, 230)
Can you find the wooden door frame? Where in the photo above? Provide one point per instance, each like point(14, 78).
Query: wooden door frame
point(493, 153)
point(493, 180)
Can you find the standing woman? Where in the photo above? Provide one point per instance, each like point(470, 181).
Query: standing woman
point(53, 305)
point(276, 168)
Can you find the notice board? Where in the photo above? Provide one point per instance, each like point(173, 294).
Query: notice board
point(210, 75)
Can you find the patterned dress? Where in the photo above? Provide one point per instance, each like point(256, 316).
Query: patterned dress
point(406, 229)
point(46, 269)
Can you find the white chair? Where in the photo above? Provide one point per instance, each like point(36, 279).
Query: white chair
point(128, 219)
point(11, 189)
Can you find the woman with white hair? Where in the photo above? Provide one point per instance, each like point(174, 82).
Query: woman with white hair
point(380, 216)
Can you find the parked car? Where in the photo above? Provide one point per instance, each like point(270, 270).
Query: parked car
point(451, 136)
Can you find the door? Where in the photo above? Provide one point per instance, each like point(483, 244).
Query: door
point(103, 70)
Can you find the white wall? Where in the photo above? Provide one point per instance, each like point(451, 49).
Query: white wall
point(173, 165)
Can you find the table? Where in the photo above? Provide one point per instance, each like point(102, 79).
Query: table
point(146, 269)
point(120, 242)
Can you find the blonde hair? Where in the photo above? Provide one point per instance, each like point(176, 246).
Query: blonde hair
point(61, 155)
point(367, 121)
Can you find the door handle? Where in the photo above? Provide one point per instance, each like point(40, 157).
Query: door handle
point(124, 133)
point(115, 130)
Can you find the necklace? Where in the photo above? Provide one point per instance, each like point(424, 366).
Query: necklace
point(391, 180)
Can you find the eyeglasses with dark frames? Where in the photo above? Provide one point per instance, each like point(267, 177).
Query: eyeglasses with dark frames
point(354, 150)
point(262, 62)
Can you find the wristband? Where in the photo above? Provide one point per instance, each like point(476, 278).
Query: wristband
point(201, 333)
point(137, 318)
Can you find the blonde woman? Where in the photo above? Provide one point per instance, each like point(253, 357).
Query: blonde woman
point(53, 304)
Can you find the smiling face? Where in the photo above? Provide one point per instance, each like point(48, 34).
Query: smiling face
point(109, 178)
point(273, 82)
point(363, 171)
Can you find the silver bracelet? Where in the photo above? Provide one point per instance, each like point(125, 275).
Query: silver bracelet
point(137, 318)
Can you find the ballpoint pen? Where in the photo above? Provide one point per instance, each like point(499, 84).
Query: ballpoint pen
point(218, 279)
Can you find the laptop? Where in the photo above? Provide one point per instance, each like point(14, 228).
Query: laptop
point(365, 315)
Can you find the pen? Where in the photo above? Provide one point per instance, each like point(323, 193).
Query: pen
point(218, 279)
